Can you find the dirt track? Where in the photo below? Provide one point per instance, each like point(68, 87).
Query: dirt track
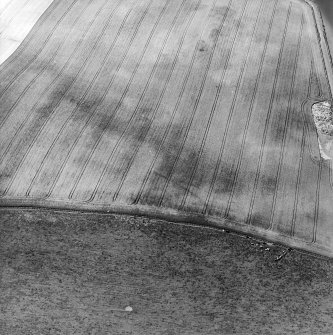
point(193, 110)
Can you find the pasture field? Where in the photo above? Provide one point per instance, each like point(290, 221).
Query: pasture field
point(187, 110)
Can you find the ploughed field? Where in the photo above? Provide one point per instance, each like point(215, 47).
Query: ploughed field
point(190, 110)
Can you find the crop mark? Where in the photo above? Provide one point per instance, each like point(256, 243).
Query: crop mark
point(50, 60)
point(203, 142)
point(239, 158)
point(317, 98)
point(219, 88)
point(62, 96)
point(199, 46)
point(303, 144)
point(87, 122)
point(136, 109)
point(298, 178)
point(32, 110)
point(141, 140)
point(306, 136)
point(198, 97)
point(251, 106)
point(36, 54)
point(114, 112)
point(277, 71)
point(166, 132)
point(81, 101)
point(286, 124)
point(330, 94)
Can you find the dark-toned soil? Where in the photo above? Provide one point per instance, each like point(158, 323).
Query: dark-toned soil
point(66, 273)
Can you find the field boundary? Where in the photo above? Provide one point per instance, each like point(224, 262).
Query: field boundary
point(170, 215)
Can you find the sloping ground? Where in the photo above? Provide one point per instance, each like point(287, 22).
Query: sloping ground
point(187, 110)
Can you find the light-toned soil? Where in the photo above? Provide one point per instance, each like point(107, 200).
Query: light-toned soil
point(187, 110)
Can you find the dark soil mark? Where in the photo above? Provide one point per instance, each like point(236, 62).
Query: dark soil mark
point(258, 220)
point(219, 11)
point(268, 185)
point(203, 46)
point(292, 130)
point(214, 34)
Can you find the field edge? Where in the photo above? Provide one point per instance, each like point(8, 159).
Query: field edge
point(170, 215)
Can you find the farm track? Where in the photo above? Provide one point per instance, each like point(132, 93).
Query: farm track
point(193, 110)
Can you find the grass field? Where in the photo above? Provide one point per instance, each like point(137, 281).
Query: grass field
point(187, 110)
